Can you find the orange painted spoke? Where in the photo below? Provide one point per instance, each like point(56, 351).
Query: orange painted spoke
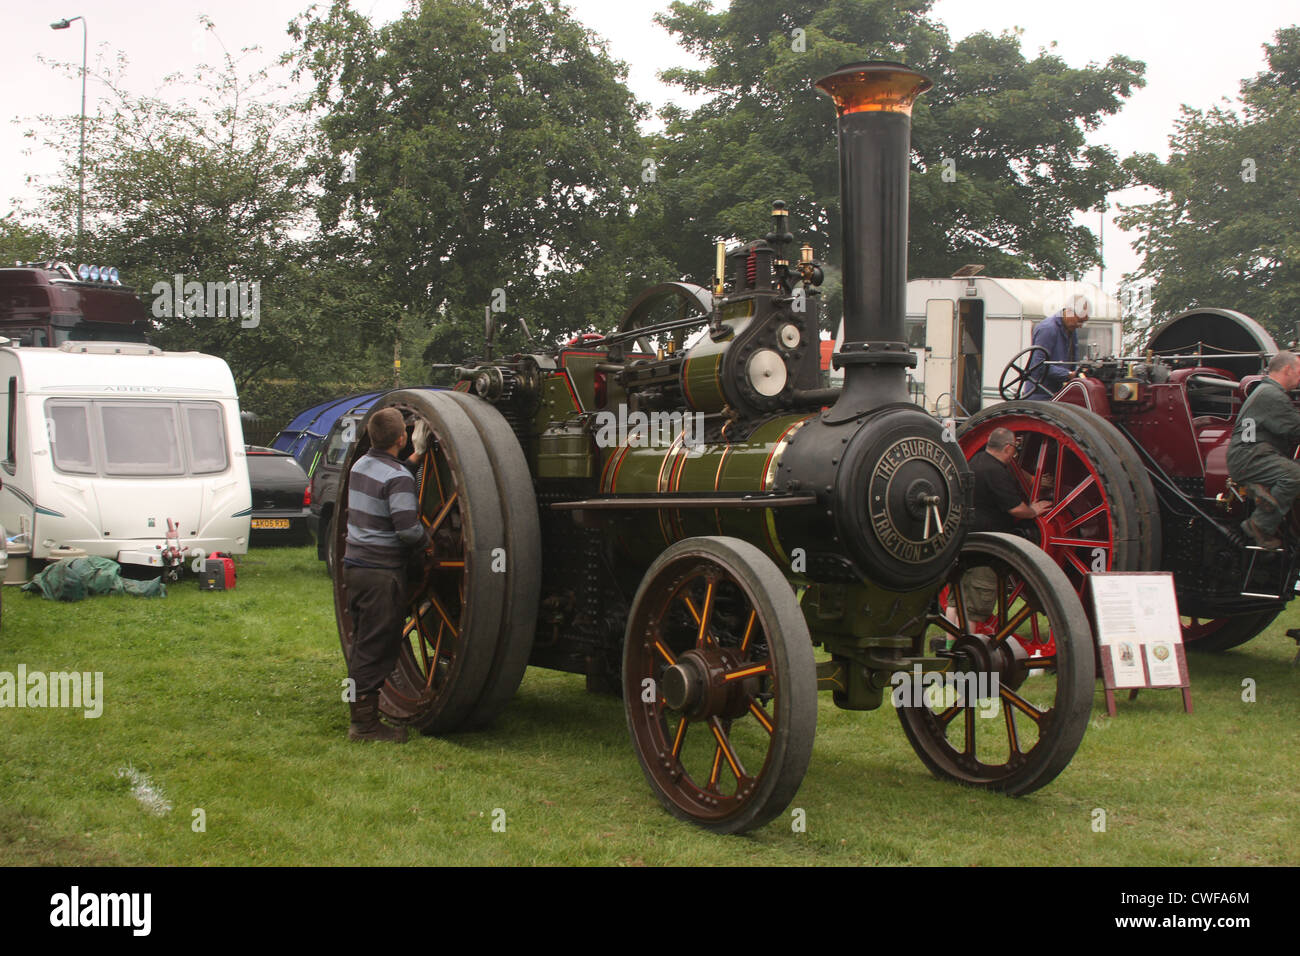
point(1022, 705)
point(725, 745)
point(446, 509)
point(1079, 489)
point(1043, 662)
point(442, 613)
point(680, 736)
point(1016, 620)
point(747, 671)
point(1012, 738)
point(450, 564)
point(717, 765)
point(970, 732)
point(762, 717)
point(431, 462)
point(705, 616)
point(419, 613)
point(424, 643)
point(437, 647)
point(690, 606)
point(946, 717)
point(749, 631)
point(665, 652)
point(959, 601)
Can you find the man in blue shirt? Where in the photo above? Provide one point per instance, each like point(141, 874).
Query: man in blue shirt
point(1059, 336)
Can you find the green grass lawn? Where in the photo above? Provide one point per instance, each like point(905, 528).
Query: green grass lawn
point(230, 703)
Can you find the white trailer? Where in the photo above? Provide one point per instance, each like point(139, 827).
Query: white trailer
point(106, 441)
point(965, 329)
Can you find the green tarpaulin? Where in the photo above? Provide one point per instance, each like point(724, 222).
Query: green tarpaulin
point(75, 578)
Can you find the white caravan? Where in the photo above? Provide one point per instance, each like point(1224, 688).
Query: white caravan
point(965, 329)
point(106, 441)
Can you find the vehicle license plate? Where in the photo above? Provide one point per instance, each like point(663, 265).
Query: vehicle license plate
point(262, 524)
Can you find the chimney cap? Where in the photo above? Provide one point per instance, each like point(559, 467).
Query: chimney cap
point(874, 86)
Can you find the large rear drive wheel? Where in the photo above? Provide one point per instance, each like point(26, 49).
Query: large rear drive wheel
point(1103, 515)
point(1014, 712)
point(519, 567)
point(719, 684)
point(454, 618)
point(1220, 634)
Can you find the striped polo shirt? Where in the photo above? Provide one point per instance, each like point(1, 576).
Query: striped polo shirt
point(383, 521)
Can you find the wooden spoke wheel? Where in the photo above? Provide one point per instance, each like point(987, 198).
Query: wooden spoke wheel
point(1104, 515)
point(1009, 719)
point(1025, 368)
point(1223, 633)
point(719, 684)
point(454, 616)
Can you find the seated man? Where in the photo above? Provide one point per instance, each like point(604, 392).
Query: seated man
point(999, 503)
point(1259, 454)
point(1059, 336)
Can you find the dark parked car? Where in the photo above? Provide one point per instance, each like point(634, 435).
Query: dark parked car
point(281, 497)
point(325, 478)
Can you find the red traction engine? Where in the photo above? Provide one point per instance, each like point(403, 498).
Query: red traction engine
point(1133, 456)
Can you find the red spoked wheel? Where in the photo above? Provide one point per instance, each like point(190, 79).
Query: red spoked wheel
point(1103, 515)
point(1222, 633)
point(719, 684)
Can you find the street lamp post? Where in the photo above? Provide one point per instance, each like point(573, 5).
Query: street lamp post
point(81, 161)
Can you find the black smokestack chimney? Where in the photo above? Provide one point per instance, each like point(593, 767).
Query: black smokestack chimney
point(874, 103)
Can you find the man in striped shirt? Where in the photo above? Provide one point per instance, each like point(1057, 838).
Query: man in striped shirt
point(384, 533)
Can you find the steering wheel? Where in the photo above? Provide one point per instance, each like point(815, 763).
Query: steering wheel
point(1026, 365)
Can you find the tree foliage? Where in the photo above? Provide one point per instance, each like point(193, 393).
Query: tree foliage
point(471, 146)
point(1012, 127)
point(210, 190)
point(1225, 230)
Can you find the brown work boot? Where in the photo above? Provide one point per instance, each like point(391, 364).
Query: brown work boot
point(366, 724)
point(1258, 537)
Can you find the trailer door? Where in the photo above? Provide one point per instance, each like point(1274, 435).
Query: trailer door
point(939, 328)
point(970, 365)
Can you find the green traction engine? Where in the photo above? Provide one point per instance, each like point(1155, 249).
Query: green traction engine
point(680, 511)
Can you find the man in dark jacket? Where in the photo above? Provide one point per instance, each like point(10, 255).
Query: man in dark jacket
point(1259, 453)
point(1058, 335)
point(384, 531)
point(999, 502)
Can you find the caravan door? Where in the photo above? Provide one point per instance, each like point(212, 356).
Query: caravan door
point(940, 316)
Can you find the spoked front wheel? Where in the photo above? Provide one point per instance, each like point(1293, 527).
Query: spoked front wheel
point(1008, 714)
point(719, 684)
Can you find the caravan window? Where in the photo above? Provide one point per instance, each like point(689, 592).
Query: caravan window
point(207, 433)
point(69, 428)
point(141, 439)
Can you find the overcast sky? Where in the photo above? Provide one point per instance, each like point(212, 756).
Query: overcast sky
point(1196, 52)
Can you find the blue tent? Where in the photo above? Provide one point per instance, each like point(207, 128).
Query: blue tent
point(305, 435)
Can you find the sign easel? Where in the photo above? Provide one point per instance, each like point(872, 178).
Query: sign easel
point(1139, 637)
